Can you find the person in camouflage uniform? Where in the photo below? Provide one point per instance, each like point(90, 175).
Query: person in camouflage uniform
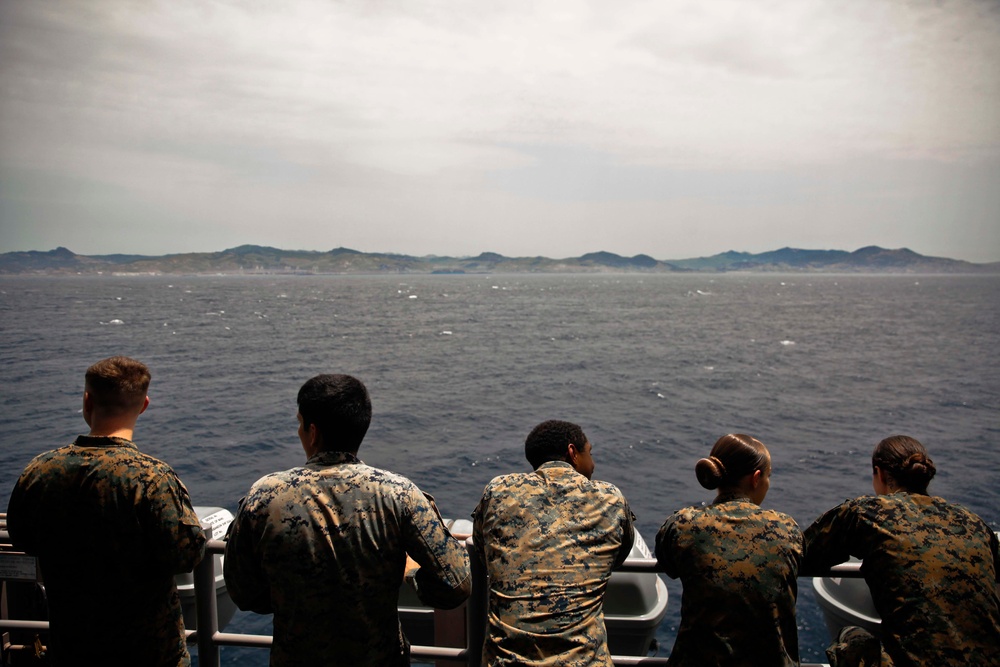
point(110, 526)
point(324, 546)
point(931, 565)
point(550, 539)
point(738, 565)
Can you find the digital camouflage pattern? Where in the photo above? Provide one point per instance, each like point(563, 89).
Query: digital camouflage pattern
point(856, 647)
point(324, 548)
point(549, 539)
point(738, 565)
point(931, 567)
point(110, 526)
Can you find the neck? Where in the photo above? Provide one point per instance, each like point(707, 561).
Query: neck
point(111, 431)
point(731, 493)
point(334, 451)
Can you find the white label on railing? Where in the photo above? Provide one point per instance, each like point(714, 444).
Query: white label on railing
point(18, 566)
point(220, 523)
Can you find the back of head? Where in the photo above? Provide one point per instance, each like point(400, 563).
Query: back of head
point(340, 408)
point(550, 441)
point(118, 385)
point(905, 460)
point(733, 457)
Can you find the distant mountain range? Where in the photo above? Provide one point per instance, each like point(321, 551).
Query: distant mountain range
point(251, 259)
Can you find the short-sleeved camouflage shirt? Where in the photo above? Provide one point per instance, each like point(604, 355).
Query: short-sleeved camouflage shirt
point(110, 526)
point(550, 539)
point(931, 567)
point(324, 548)
point(739, 565)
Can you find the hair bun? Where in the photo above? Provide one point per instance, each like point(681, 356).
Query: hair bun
point(718, 462)
point(710, 472)
point(905, 460)
point(920, 465)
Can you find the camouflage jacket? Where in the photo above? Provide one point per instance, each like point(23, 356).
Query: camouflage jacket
point(739, 565)
point(324, 548)
point(110, 526)
point(550, 539)
point(932, 570)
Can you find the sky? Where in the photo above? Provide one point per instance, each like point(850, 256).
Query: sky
point(676, 129)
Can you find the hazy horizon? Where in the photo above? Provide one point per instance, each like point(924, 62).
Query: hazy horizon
point(559, 127)
point(477, 254)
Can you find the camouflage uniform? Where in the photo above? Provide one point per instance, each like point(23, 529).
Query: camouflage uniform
point(550, 539)
point(324, 547)
point(856, 647)
point(932, 570)
point(738, 564)
point(110, 526)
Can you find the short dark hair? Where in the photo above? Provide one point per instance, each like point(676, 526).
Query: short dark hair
point(550, 441)
point(118, 384)
point(905, 460)
point(340, 408)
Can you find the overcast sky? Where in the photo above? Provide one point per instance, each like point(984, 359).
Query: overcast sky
point(675, 128)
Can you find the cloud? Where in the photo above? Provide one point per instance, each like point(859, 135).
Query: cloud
point(387, 108)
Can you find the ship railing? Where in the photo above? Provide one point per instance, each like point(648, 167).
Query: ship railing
point(209, 639)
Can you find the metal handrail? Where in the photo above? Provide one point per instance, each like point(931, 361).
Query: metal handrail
point(209, 639)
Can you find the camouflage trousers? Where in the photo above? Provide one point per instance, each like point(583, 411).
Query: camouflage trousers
point(856, 647)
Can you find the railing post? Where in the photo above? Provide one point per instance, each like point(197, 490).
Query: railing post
point(476, 607)
point(205, 607)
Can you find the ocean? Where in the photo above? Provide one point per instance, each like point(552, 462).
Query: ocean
point(461, 367)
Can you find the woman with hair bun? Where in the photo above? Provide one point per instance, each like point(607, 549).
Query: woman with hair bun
point(738, 564)
point(931, 567)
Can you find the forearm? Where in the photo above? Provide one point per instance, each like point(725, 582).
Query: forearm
point(439, 592)
point(821, 552)
point(190, 548)
point(245, 582)
point(444, 578)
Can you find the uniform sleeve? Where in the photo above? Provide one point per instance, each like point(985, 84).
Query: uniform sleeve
point(174, 538)
point(478, 515)
point(798, 548)
point(444, 579)
point(666, 543)
point(246, 581)
point(826, 541)
point(19, 521)
point(995, 548)
point(627, 526)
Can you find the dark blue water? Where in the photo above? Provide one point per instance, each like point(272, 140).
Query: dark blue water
point(655, 368)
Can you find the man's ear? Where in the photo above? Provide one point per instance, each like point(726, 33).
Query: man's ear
point(314, 437)
point(145, 405)
point(88, 406)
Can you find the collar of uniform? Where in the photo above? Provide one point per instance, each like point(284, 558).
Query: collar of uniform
point(555, 465)
point(903, 493)
point(332, 458)
point(731, 496)
point(102, 441)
